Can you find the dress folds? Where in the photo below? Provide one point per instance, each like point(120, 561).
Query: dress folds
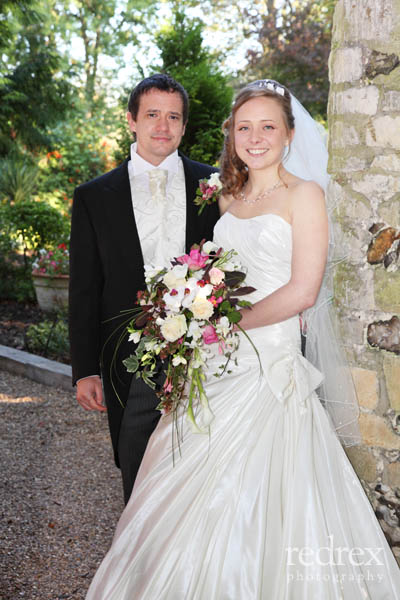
point(267, 507)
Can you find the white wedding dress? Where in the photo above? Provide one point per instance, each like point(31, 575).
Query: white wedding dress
point(268, 506)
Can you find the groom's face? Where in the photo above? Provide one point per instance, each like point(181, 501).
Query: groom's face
point(158, 125)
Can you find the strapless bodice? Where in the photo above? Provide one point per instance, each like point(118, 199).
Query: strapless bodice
point(264, 247)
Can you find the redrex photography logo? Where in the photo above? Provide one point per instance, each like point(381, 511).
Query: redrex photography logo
point(326, 561)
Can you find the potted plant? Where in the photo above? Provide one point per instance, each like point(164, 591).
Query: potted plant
point(50, 276)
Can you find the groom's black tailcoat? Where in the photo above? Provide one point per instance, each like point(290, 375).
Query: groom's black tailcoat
point(106, 271)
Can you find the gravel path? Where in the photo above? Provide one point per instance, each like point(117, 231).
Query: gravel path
point(60, 495)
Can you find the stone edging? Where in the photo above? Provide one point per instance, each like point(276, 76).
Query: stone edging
point(35, 367)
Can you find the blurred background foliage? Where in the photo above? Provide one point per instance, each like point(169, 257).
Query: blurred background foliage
point(67, 68)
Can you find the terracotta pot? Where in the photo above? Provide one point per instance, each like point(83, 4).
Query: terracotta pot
point(51, 291)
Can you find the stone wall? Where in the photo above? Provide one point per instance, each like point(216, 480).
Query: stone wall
point(364, 147)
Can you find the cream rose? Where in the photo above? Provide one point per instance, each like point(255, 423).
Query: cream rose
point(176, 277)
point(215, 180)
point(216, 276)
point(201, 308)
point(173, 327)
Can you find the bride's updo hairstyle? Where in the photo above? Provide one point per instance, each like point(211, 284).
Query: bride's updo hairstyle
point(233, 171)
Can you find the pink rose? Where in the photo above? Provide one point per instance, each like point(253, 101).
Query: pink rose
point(216, 276)
point(195, 260)
point(209, 335)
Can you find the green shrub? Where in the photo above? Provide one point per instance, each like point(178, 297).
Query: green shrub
point(25, 227)
point(33, 225)
point(18, 179)
point(49, 338)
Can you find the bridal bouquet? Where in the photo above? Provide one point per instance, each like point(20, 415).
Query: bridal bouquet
point(183, 310)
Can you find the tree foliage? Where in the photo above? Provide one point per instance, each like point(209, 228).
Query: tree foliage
point(197, 69)
point(104, 28)
point(33, 91)
point(295, 40)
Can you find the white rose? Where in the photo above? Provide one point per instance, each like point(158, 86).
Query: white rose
point(201, 308)
point(215, 180)
point(210, 247)
point(174, 327)
point(176, 277)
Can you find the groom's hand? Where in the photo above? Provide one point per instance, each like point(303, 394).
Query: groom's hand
point(89, 393)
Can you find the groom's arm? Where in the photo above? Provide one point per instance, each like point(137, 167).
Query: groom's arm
point(86, 283)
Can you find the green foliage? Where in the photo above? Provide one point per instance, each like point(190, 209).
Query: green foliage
point(295, 41)
point(50, 338)
point(81, 151)
point(33, 225)
point(32, 98)
point(25, 227)
point(18, 179)
point(15, 274)
point(104, 28)
point(184, 57)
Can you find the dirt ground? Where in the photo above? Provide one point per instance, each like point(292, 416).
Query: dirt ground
point(60, 492)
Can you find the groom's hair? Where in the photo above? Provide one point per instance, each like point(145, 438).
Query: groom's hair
point(162, 82)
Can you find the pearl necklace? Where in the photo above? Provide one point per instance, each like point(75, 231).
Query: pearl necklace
point(261, 195)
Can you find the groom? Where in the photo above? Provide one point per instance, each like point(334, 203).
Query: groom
point(141, 212)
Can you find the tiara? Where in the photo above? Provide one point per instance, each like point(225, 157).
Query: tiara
point(271, 85)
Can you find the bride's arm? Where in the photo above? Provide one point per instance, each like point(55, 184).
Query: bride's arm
point(223, 203)
point(310, 246)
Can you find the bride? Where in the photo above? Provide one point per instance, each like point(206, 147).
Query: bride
point(268, 506)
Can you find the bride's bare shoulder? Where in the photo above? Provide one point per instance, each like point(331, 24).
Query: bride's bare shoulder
point(224, 203)
point(305, 197)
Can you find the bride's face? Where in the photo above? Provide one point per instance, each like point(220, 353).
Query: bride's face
point(260, 133)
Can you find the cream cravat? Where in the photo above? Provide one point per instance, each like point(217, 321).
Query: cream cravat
point(158, 184)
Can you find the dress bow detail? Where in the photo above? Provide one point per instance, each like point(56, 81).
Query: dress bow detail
point(290, 374)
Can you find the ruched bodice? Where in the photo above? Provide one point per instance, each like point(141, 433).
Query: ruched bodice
point(264, 246)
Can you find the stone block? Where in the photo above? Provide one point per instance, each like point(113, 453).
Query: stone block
point(369, 19)
point(352, 328)
point(346, 65)
point(391, 368)
point(377, 188)
point(35, 367)
point(363, 463)
point(387, 290)
point(389, 212)
point(391, 101)
point(387, 162)
point(391, 475)
point(384, 132)
point(356, 100)
point(366, 384)
point(376, 432)
point(343, 135)
point(354, 287)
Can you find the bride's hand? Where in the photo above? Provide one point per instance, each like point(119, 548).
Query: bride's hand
point(89, 393)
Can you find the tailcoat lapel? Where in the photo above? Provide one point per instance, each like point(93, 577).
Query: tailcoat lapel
point(120, 215)
point(194, 222)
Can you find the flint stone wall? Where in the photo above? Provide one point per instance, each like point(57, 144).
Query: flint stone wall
point(364, 148)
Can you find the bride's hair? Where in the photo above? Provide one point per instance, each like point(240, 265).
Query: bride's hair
point(233, 171)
